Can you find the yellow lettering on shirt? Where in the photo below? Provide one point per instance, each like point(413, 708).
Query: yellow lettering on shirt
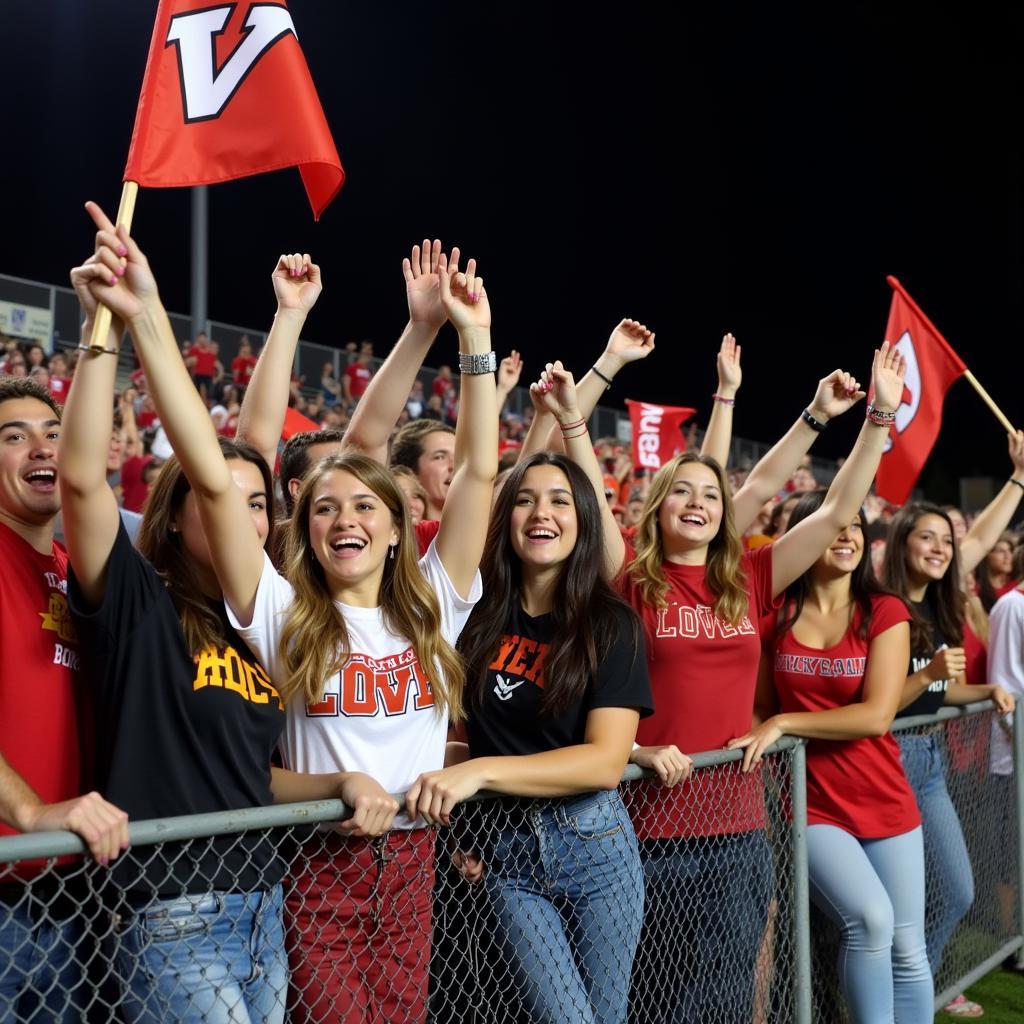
point(228, 669)
point(58, 618)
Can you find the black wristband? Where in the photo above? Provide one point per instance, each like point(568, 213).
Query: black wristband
point(607, 380)
point(815, 425)
point(1019, 483)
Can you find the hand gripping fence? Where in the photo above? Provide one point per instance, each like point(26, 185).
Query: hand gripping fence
point(642, 905)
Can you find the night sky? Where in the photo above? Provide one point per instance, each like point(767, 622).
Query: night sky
point(759, 172)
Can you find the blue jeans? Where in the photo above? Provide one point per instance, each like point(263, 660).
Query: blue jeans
point(947, 864)
point(40, 979)
point(874, 890)
point(565, 881)
point(707, 908)
point(209, 958)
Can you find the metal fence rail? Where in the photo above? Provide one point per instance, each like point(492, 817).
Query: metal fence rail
point(643, 905)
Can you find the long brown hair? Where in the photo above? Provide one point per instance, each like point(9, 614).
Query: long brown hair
point(986, 589)
point(586, 615)
point(944, 596)
point(164, 548)
point(314, 640)
point(724, 570)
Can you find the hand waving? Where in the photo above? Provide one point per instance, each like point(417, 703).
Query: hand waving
point(422, 282)
point(730, 376)
point(887, 372)
point(463, 296)
point(630, 341)
point(836, 393)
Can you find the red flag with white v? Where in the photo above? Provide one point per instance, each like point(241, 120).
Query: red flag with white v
point(227, 94)
point(932, 367)
point(657, 432)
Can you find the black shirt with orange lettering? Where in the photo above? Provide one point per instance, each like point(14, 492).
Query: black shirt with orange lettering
point(510, 721)
point(176, 732)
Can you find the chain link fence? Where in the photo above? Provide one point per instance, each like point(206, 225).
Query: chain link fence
point(645, 905)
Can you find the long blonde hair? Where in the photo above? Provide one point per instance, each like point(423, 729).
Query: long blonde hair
point(724, 570)
point(314, 641)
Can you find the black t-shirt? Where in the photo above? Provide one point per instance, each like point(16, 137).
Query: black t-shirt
point(177, 734)
point(935, 696)
point(509, 721)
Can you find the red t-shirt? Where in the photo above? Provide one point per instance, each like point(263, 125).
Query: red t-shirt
point(358, 378)
point(205, 361)
point(38, 686)
point(242, 367)
point(144, 420)
point(60, 387)
point(703, 676)
point(133, 487)
point(856, 785)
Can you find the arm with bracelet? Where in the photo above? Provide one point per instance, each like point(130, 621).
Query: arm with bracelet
point(718, 437)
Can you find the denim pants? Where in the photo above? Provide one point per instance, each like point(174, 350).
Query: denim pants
point(707, 908)
point(208, 958)
point(946, 861)
point(565, 881)
point(40, 979)
point(874, 890)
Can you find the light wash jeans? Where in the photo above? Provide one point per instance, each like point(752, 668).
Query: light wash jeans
point(40, 979)
point(565, 881)
point(210, 958)
point(946, 860)
point(874, 890)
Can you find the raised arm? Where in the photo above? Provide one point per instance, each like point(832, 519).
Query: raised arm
point(797, 549)
point(91, 517)
point(718, 437)
point(233, 542)
point(129, 428)
point(509, 370)
point(385, 396)
point(629, 342)
point(982, 536)
point(297, 286)
point(836, 393)
point(555, 393)
point(467, 508)
point(871, 716)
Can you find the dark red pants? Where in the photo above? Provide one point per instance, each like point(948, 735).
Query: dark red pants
point(358, 915)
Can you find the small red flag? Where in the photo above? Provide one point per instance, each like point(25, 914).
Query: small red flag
point(657, 432)
point(296, 423)
point(932, 367)
point(226, 94)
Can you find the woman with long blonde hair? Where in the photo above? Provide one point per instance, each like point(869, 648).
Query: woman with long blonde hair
point(359, 640)
point(700, 598)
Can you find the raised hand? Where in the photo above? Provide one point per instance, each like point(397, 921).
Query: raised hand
point(555, 393)
point(423, 282)
point(509, 370)
point(80, 278)
point(120, 277)
point(630, 341)
point(1016, 440)
point(836, 393)
point(297, 283)
point(730, 376)
point(887, 372)
point(463, 296)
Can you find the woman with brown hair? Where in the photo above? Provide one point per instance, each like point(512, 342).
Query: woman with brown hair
point(359, 642)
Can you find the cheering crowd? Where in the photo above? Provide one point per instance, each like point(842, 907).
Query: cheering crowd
point(397, 613)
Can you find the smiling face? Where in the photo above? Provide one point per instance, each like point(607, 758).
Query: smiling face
point(29, 441)
point(928, 549)
point(543, 523)
point(691, 513)
point(351, 531)
point(844, 554)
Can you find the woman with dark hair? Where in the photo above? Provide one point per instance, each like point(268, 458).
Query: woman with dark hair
point(556, 681)
point(700, 598)
point(995, 573)
point(925, 566)
point(186, 719)
point(839, 653)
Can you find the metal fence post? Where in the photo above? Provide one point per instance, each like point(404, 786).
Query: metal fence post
point(1018, 788)
point(801, 889)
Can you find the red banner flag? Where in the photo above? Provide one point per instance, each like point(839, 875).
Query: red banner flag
point(932, 366)
point(296, 423)
point(226, 94)
point(657, 432)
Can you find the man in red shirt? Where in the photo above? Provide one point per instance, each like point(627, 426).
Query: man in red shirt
point(244, 363)
point(356, 379)
point(201, 359)
point(40, 753)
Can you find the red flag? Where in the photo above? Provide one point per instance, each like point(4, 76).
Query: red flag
point(657, 432)
point(226, 94)
point(932, 366)
point(296, 423)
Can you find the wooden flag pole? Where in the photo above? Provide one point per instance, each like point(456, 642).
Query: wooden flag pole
point(987, 399)
point(125, 213)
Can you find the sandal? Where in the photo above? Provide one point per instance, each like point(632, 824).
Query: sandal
point(963, 1007)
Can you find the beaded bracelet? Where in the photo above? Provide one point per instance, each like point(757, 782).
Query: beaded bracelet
point(723, 399)
point(880, 417)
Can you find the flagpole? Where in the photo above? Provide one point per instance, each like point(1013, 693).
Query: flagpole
point(125, 213)
point(985, 396)
point(200, 257)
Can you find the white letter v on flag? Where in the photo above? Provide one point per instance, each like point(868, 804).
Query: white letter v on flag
point(205, 90)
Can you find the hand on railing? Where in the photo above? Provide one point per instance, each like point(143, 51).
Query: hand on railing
point(668, 762)
point(373, 808)
point(756, 742)
point(102, 826)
